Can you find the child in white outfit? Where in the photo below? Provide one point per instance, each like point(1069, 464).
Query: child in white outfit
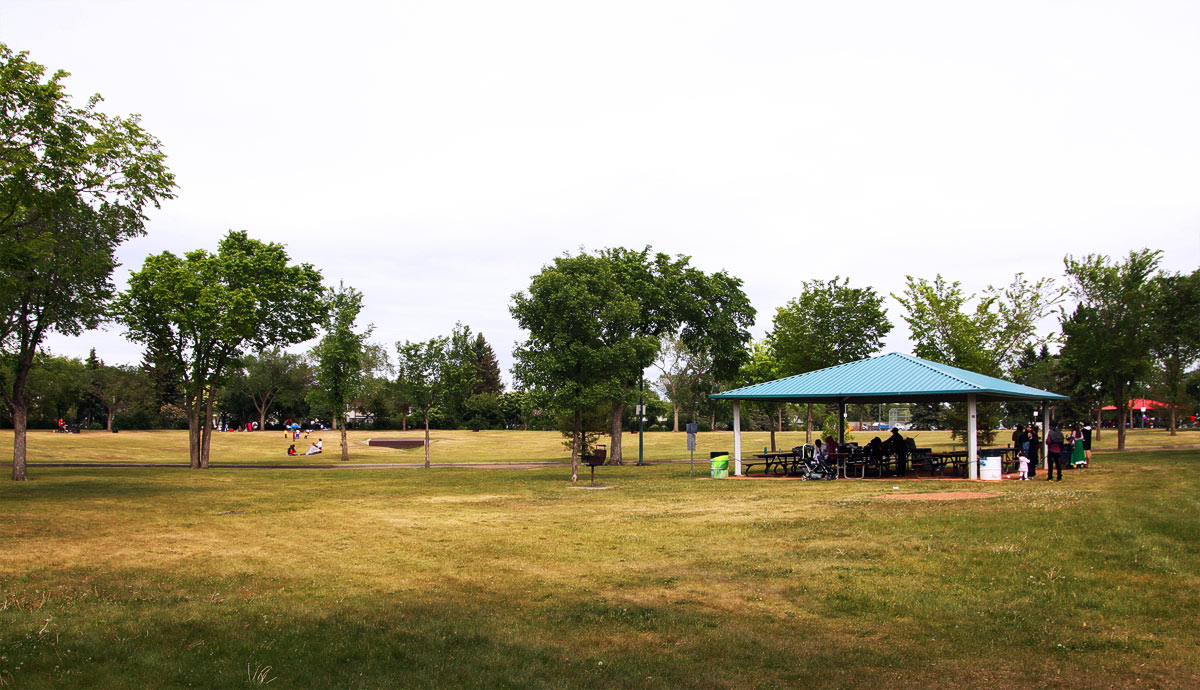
point(1023, 463)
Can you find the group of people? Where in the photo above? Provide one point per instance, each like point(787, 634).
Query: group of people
point(1076, 439)
point(315, 448)
point(895, 445)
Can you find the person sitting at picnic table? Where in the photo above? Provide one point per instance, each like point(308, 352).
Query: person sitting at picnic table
point(831, 445)
point(314, 448)
point(900, 449)
point(819, 451)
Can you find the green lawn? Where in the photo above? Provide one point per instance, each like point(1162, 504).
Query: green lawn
point(448, 446)
point(483, 579)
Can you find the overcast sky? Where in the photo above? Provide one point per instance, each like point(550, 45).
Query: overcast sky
point(435, 155)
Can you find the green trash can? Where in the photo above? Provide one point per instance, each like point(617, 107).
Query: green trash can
point(720, 467)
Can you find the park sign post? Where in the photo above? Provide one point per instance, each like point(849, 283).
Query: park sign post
point(692, 428)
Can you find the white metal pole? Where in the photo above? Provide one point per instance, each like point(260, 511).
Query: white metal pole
point(972, 442)
point(737, 438)
point(1045, 432)
point(841, 423)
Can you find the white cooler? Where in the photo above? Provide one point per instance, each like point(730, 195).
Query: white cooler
point(989, 468)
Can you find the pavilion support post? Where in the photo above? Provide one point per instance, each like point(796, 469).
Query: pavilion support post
point(1045, 432)
point(972, 438)
point(737, 438)
point(841, 423)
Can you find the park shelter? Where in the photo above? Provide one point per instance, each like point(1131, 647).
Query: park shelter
point(893, 377)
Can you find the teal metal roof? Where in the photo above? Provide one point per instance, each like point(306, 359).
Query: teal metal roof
point(889, 378)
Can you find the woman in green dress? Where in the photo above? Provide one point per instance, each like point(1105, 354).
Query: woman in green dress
point(1078, 459)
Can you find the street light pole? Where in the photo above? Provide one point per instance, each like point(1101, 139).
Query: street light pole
point(641, 418)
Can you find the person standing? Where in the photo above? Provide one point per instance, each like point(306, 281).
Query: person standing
point(1054, 445)
point(1087, 445)
point(1033, 448)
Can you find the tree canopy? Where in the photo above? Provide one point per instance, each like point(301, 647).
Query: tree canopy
point(1109, 335)
point(209, 307)
point(74, 184)
point(340, 372)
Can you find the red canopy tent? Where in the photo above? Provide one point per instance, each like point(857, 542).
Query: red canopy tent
point(1140, 404)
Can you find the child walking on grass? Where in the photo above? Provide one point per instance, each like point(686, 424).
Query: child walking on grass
point(1023, 465)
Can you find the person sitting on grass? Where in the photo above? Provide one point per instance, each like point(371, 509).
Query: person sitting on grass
point(314, 448)
point(292, 449)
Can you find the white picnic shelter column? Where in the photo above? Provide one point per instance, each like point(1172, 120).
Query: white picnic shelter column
point(737, 438)
point(1045, 431)
point(841, 423)
point(972, 440)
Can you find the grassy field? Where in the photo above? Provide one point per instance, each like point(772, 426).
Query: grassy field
point(447, 446)
point(160, 577)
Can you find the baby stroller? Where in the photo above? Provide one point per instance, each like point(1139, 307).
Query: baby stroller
point(812, 467)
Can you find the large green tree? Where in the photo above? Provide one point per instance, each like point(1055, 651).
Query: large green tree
point(580, 349)
point(1109, 334)
point(421, 376)
point(1175, 336)
point(985, 333)
point(208, 308)
point(340, 358)
point(74, 184)
point(828, 324)
point(636, 298)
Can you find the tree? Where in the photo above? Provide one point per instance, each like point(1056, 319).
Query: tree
point(270, 372)
point(579, 352)
point(830, 323)
point(421, 371)
point(210, 307)
point(487, 368)
point(987, 339)
point(74, 184)
point(340, 356)
point(1108, 335)
point(708, 314)
point(682, 373)
point(1175, 336)
point(118, 388)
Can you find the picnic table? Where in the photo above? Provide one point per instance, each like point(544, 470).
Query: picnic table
point(780, 463)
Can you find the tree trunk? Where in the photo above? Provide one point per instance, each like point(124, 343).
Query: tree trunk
point(1172, 420)
point(262, 420)
point(108, 425)
point(614, 444)
point(345, 447)
point(676, 406)
point(1099, 423)
point(1121, 427)
point(193, 412)
point(206, 428)
point(575, 430)
point(19, 413)
point(403, 421)
point(427, 438)
point(712, 421)
point(808, 427)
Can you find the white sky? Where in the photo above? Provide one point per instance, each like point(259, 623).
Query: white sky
point(435, 155)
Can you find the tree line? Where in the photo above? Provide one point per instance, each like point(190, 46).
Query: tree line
point(218, 327)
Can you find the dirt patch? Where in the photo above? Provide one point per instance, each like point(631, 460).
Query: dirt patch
point(940, 496)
